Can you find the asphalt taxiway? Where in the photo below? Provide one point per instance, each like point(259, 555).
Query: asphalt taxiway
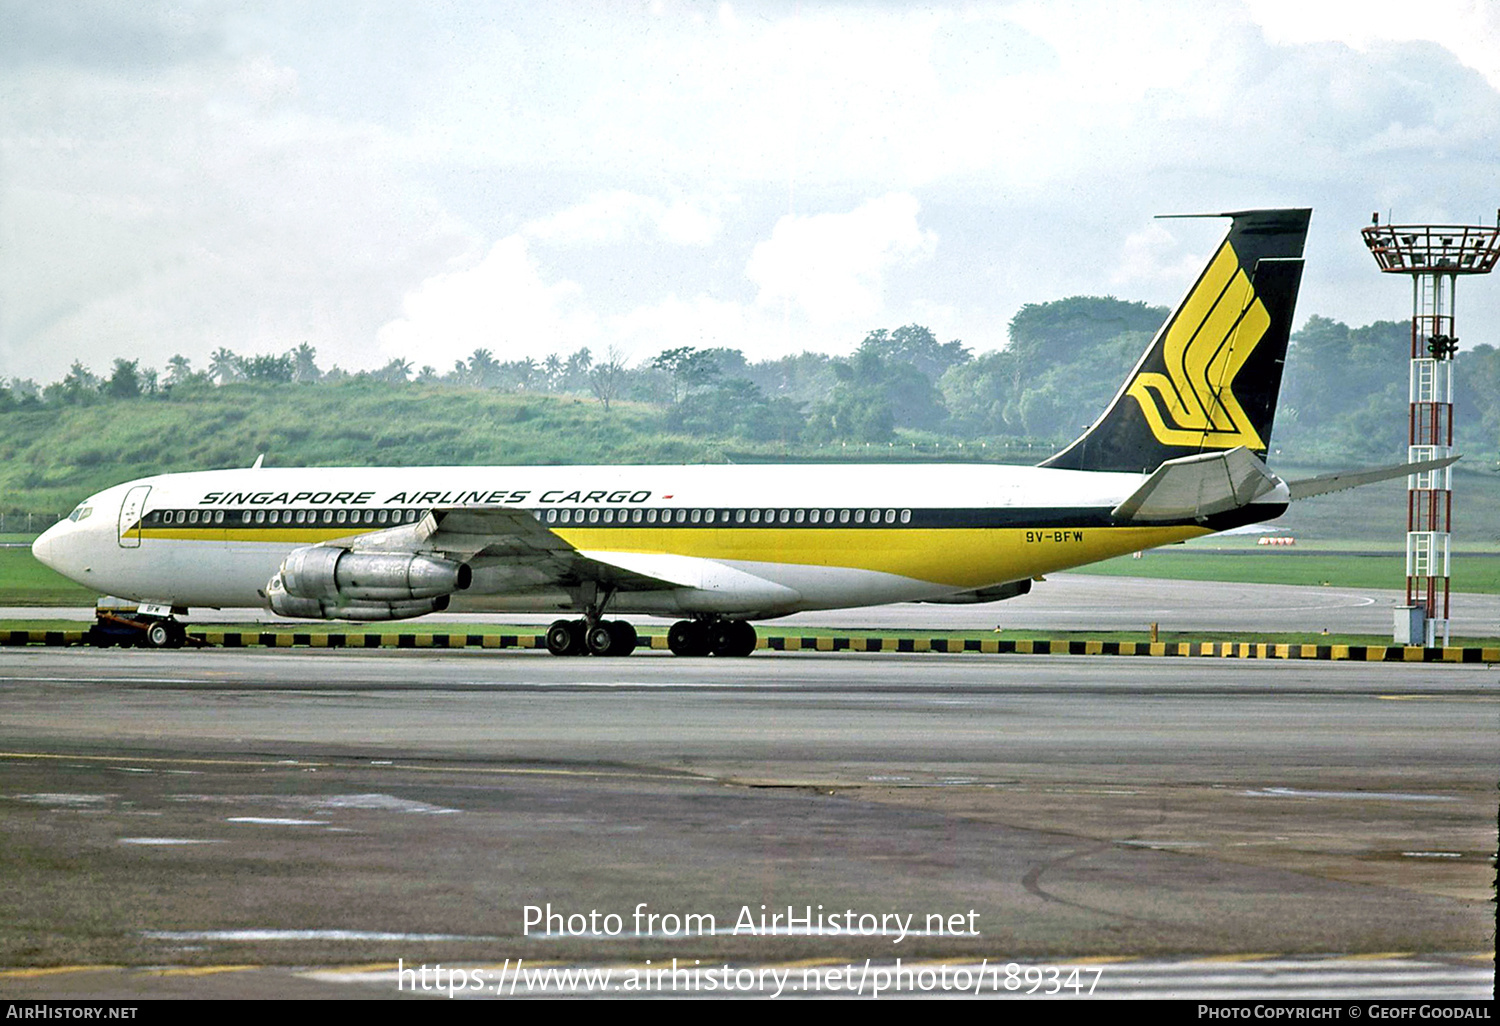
point(229, 808)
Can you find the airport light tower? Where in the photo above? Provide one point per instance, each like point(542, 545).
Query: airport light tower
point(1434, 255)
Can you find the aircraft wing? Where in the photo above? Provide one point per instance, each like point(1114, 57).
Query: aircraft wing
point(1325, 483)
point(509, 549)
point(1198, 486)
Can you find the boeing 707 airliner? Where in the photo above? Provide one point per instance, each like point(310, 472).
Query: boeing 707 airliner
point(1179, 453)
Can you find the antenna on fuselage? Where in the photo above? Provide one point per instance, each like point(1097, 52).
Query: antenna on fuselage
point(258, 461)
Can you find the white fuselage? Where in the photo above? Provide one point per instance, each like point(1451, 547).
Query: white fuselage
point(760, 540)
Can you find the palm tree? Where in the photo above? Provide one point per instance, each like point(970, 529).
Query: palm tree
point(483, 368)
point(397, 372)
point(224, 366)
point(179, 369)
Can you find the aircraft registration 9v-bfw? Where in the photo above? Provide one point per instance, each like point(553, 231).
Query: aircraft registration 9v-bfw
point(1179, 453)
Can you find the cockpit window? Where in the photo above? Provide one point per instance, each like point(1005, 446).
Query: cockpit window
point(82, 512)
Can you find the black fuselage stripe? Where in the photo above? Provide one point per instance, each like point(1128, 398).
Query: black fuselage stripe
point(973, 518)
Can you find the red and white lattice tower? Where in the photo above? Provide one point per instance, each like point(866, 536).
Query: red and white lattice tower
point(1434, 255)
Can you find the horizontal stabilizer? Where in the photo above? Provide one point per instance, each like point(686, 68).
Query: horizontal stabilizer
point(1326, 483)
point(1197, 487)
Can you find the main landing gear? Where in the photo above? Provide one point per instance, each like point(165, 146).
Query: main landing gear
point(603, 638)
point(711, 637)
point(617, 637)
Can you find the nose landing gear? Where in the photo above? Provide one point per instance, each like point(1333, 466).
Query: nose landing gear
point(126, 627)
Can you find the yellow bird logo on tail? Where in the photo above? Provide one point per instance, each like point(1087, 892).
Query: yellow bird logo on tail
point(1216, 329)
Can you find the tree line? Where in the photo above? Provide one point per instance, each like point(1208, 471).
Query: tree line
point(1344, 393)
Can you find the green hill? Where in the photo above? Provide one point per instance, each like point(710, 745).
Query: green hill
point(55, 455)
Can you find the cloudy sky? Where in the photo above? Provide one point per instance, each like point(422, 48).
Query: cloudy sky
point(421, 180)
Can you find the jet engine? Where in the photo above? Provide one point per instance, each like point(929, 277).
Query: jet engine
point(326, 582)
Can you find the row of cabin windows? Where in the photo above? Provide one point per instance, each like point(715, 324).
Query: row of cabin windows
point(724, 516)
point(284, 516)
point(377, 517)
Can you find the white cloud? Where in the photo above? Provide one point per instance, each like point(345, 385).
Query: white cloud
point(833, 267)
point(281, 173)
point(501, 304)
point(1469, 29)
point(1154, 257)
point(616, 215)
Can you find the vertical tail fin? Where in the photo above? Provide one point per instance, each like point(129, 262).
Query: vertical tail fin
point(1210, 377)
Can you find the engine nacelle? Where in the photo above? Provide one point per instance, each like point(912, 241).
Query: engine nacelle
point(336, 608)
point(324, 573)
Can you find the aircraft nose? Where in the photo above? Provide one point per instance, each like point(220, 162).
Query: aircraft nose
point(45, 547)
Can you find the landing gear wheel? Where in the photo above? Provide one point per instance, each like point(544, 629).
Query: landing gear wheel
point(625, 638)
point(731, 638)
point(179, 634)
point(566, 637)
point(688, 638)
point(610, 638)
point(159, 634)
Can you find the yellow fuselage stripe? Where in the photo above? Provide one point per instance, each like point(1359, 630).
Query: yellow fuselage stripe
point(958, 557)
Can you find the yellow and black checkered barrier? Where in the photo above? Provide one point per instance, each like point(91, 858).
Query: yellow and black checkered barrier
point(793, 643)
